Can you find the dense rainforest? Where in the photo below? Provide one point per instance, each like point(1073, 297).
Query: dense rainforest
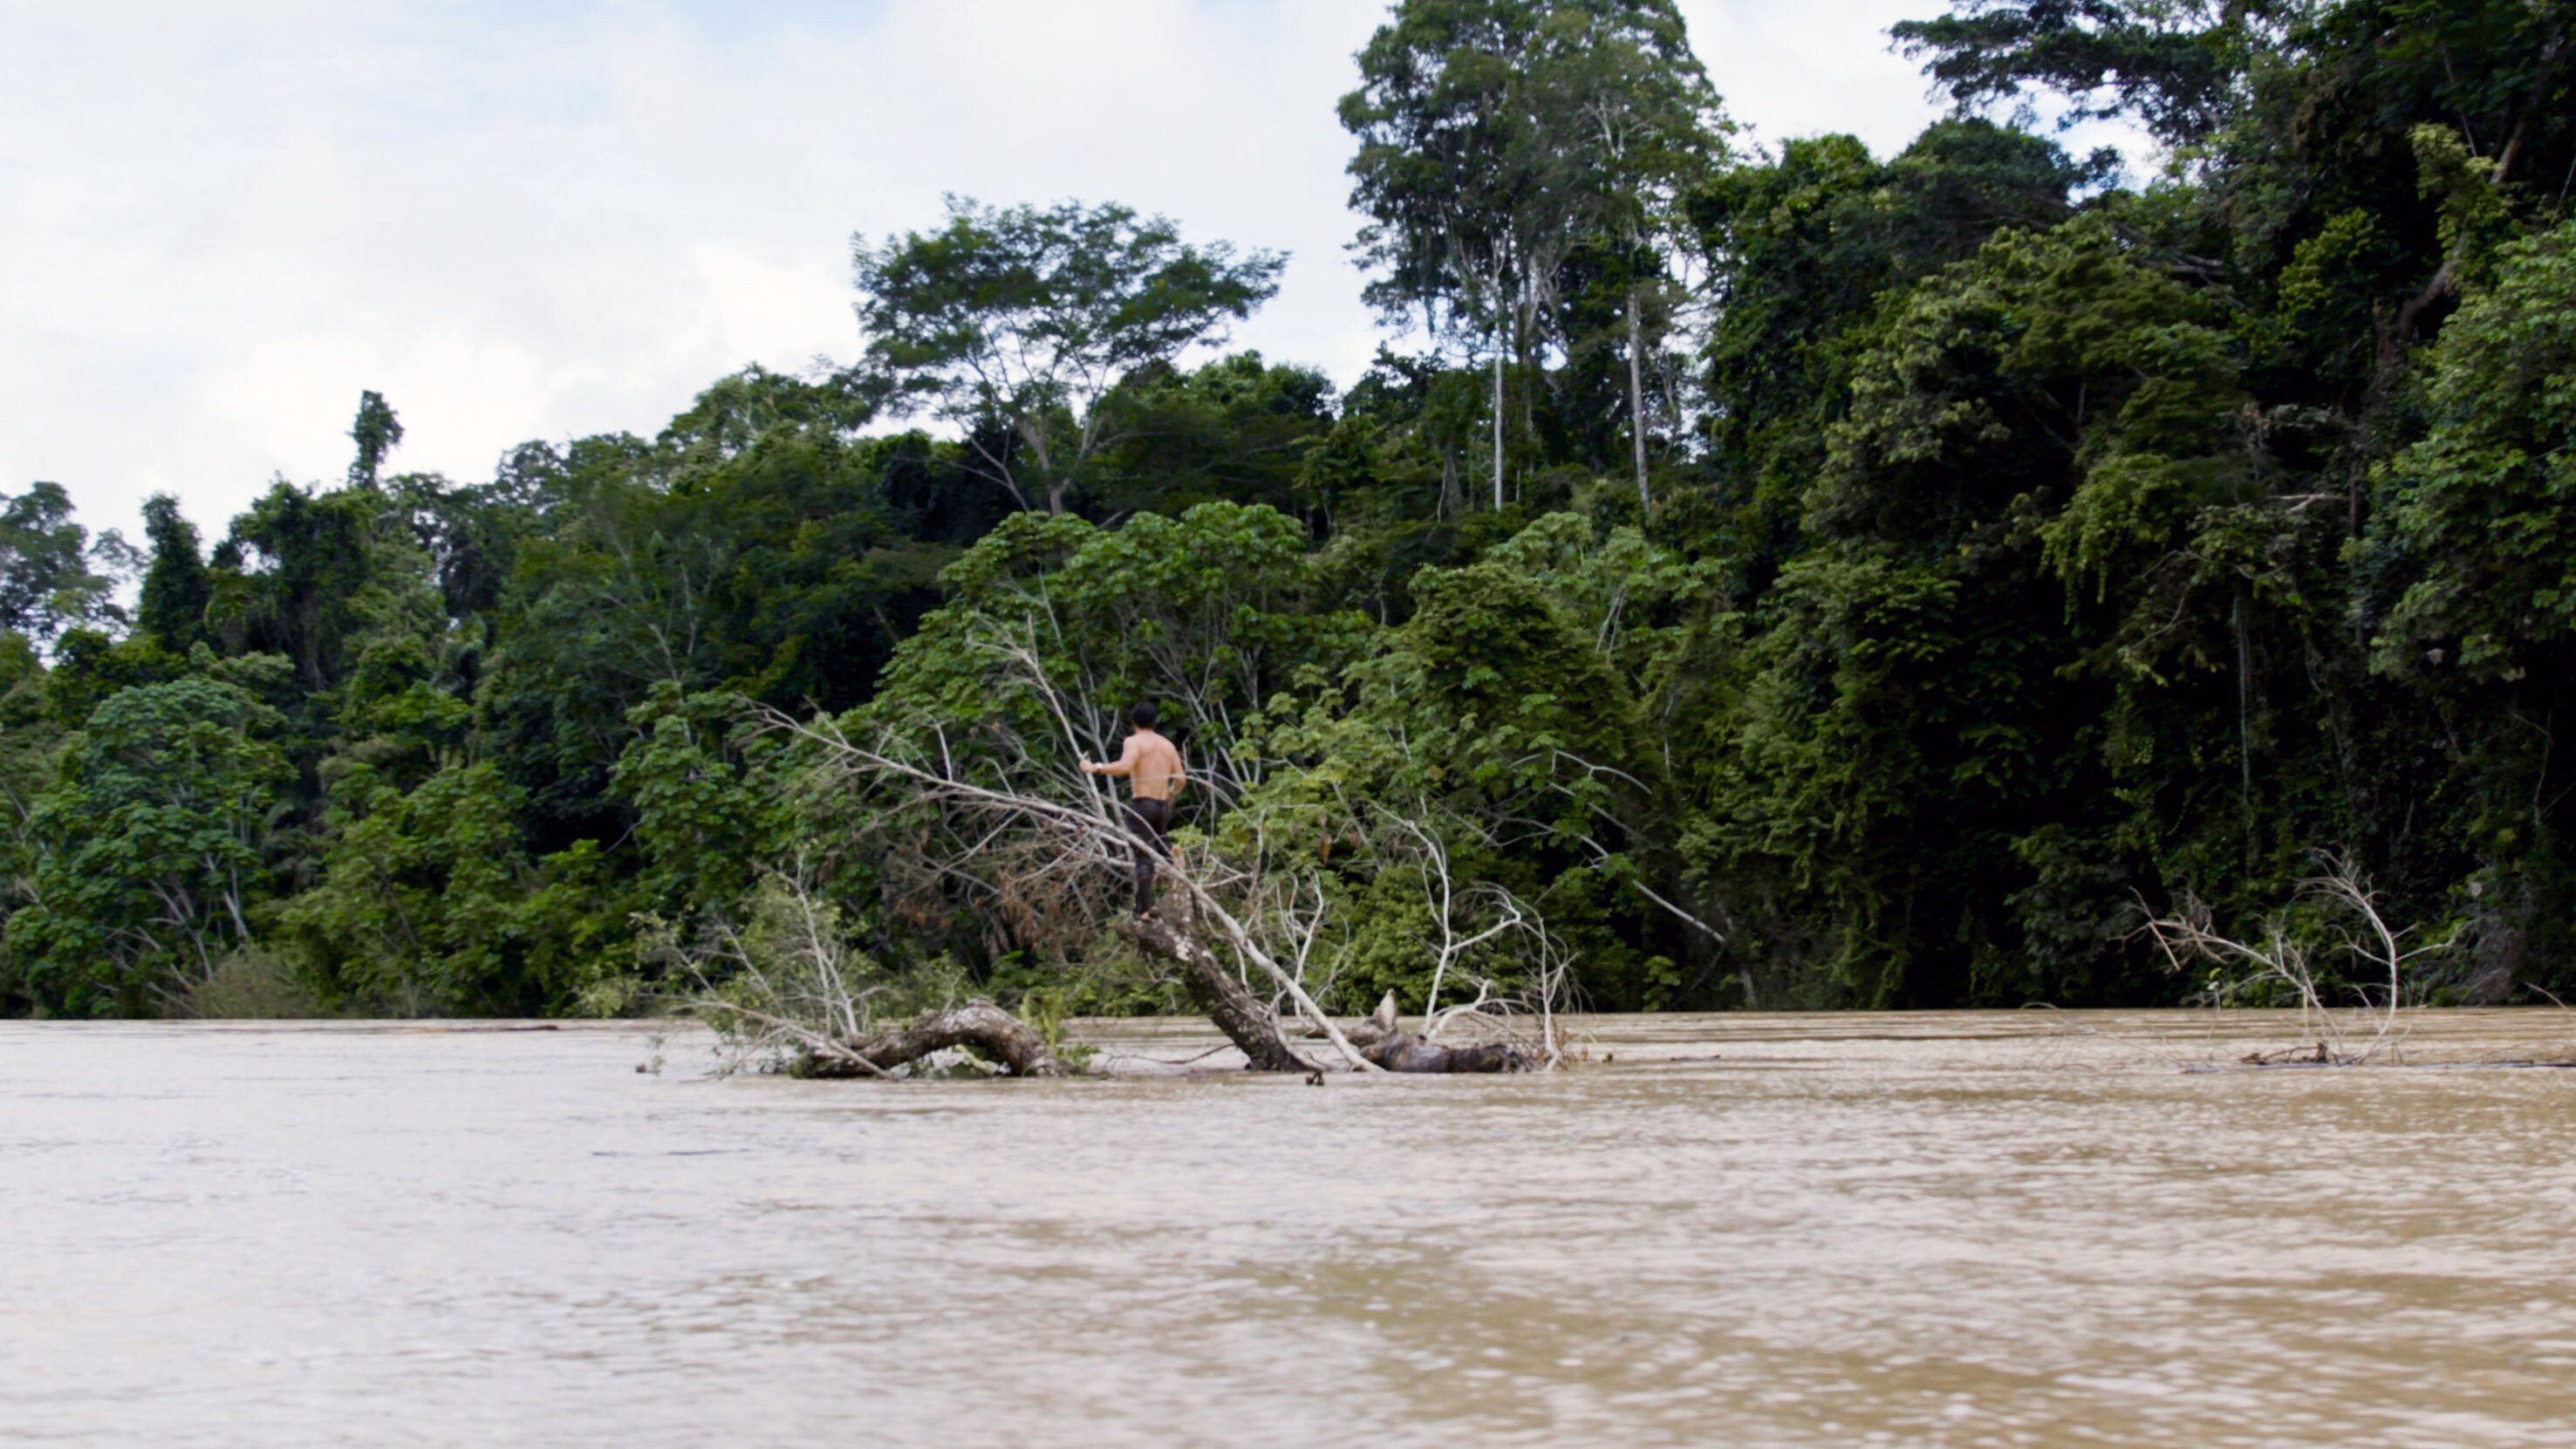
point(1807, 577)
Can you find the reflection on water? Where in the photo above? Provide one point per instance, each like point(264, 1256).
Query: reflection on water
point(1956, 1230)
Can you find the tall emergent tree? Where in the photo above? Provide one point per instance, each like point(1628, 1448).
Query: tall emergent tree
point(1014, 323)
point(1633, 111)
point(1498, 136)
point(377, 432)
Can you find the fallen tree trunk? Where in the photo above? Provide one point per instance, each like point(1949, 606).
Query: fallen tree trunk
point(1214, 990)
point(991, 1031)
point(1255, 1028)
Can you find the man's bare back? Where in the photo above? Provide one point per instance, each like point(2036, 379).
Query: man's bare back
point(1151, 764)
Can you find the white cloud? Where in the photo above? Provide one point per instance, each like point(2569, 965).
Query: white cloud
point(219, 223)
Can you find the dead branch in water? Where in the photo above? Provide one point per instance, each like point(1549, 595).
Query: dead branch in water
point(785, 990)
point(2283, 959)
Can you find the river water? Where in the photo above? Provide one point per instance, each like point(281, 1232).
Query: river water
point(1757, 1230)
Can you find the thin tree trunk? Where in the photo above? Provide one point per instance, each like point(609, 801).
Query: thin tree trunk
point(1637, 399)
point(2244, 720)
point(1498, 430)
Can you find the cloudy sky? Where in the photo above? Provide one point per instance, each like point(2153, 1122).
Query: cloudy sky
point(541, 218)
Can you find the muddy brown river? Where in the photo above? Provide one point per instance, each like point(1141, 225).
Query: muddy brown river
point(2004, 1229)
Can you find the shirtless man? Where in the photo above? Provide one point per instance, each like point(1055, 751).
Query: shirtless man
point(1154, 780)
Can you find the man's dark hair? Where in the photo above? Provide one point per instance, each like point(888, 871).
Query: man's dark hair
point(1142, 716)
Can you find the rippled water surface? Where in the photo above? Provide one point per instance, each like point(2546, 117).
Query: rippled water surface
point(1957, 1230)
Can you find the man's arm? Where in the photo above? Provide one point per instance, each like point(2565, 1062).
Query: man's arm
point(1125, 764)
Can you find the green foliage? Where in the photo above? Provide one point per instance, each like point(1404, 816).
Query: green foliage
point(176, 589)
point(2172, 66)
point(377, 432)
point(1014, 322)
point(1802, 250)
point(1805, 579)
point(52, 577)
point(148, 848)
point(429, 904)
point(1237, 430)
point(1515, 156)
point(707, 812)
point(2483, 509)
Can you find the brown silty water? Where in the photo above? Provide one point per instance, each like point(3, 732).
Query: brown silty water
point(1759, 1230)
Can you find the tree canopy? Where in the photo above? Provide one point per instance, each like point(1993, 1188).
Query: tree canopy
point(1015, 323)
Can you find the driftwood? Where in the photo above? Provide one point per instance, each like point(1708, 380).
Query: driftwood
point(990, 1030)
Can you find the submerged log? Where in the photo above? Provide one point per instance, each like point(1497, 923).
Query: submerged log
point(1245, 1021)
point(1404, 1052)
point(991, 1031)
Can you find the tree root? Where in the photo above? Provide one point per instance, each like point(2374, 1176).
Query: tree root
point(990, 1030)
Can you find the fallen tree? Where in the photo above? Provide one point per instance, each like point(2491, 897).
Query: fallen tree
point(1001, 817)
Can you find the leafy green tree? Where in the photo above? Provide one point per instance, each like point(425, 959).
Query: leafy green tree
point(1632, 102)
point(428, 903)
point(1454, 173)
point(1399, 450)
point(2480, 523)
point(29, 747)
point(1210, 615)
point(1236, 430)
point(51, 576)
point(774, 570)
point(709, 816)
point(1801, 250)
point(2175, 66)
point(151, 841)
point(2471, 577)
point(1014, 323)
point(1491, 742)
point(1939, 681)
point(312, 575)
